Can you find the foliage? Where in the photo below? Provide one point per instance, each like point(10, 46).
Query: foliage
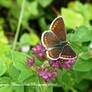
point(37, 17)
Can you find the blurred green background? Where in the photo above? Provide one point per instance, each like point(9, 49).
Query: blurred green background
point(37, 17)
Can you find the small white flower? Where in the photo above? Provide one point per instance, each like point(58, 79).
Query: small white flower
point(25, 49)
point(90, 45)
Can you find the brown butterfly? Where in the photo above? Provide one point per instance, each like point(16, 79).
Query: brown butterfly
point(55, 41)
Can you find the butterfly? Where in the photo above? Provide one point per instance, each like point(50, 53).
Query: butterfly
point(55, 41)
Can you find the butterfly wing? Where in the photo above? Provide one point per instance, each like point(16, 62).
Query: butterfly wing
point(54, 53)
point(58, 27)
point(49, 39)
point(67, 53)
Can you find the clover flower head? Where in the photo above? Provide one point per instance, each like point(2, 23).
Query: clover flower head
point(68, 63)
point(55, 63)
point(39, 50)
point(47, 75)
point(30, 61)
point(39, 68)
point(59, 63)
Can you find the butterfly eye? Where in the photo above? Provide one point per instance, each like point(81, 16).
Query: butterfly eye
point(68, 43)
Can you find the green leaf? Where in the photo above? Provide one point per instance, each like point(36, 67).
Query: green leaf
point(19, 60)
point(83, 75)
point(3, 38)
point(25, 40)
point(45, 88)
point(79, 76)
point(5, 54)
point(90, 11)
point(29, 89)
point(13, 72)
point(32, 79)
point(1, 22)
point(45, 3)
point(34, 8)
point(4, 50)
point(83, 65)
point(19, 89)
point(82, 34)
point(71, 18)
point(5, 80)
point(6, 3)
point(2, 67)
point(20, 64)
point(88, 75)
point(24, 75)
point(66, 79)
point(84, 9)
point(6, 89)
point(29, 39)
point(31, 9)
point(83, 85)
point(38, 62)
point(33, 39)
point(76, 5)
point(42, 24)
point(85, 56)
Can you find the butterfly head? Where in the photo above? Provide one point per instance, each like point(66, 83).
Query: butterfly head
point(68, 43)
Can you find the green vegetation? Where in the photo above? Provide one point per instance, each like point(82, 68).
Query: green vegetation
point(37, 16)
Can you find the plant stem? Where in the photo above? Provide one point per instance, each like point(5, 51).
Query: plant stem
point(40, 85)
point(19, 24)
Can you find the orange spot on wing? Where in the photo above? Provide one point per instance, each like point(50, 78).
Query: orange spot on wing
point(66, 56)
point(46, 42)
point(53, 27)
point(50, 53)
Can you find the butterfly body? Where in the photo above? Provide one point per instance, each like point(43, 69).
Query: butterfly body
point(55, 41)
point(61, 44)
